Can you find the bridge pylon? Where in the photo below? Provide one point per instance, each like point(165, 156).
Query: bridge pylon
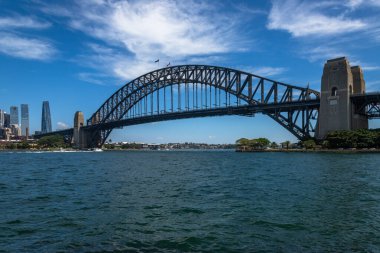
point(78, 123)
point(339, 82)
point(81, 136)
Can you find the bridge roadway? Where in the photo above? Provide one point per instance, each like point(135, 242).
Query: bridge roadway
point(244, 110)
point(371, 99)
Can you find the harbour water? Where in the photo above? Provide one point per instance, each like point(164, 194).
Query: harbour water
point(173, 201)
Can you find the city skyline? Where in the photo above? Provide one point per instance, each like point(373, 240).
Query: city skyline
point(81, 69)
point(20, 128)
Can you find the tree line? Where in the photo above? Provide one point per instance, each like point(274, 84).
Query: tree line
point(46, 142)
point(361, 139)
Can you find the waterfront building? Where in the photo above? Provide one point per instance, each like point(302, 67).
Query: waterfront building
point(14, 115)
point(5, 133)
point(46, 118)
point(24, 120)
point(15, 130)
point(2, 118)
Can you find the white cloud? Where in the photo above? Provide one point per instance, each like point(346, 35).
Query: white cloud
point(15, 44)
point(323, 52)
point(27, 48)
point(307, 18)
point(135, 33)
point(353, 4)
point(22, 22)
point(365, 66)
point(267, 71)
point(62, 125)
point(370, 68)
point(95, 78)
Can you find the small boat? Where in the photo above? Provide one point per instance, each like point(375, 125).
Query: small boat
point(97, 150)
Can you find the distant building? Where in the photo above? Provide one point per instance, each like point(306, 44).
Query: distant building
point(5, 133)
point(14, 115)
point(7, 120)
point(46, 118)
point(2, 119)
point(16, 131)
point(24, 119)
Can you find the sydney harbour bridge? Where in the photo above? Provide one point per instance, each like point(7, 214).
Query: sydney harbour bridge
point(190, 91)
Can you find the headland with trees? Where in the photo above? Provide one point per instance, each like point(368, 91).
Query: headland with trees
point(355, 140)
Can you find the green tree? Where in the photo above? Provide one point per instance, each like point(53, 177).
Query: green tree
point(51, 141)
point(23, 145)
point(274, 145)
point(242, 142)
point(325, 144)
point(309, 144)
point(286, 144)
point(11, 146)
point(262, 142)
point(361, 138)
point(109, 146)
point(253, 144)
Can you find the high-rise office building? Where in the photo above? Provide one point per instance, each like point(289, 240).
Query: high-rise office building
point(7, 120)
point(24, 119)
point(14, 115)
point(46, 118)
point(2, 119)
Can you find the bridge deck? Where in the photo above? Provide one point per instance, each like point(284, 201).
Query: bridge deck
point(369, 97)
point(244, 110)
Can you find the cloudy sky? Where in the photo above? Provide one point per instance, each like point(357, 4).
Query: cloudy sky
point(77, 53)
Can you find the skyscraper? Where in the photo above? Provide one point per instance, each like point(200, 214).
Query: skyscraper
point(24, 119)
point(2, 118)
point(7, 120)
point(46, 118)
point(14, 115)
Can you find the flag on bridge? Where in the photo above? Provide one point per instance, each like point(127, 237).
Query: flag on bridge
point(157, 60)
point(168, 64)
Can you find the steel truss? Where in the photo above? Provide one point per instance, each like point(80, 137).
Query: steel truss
point(367, 104)
point(188, 90)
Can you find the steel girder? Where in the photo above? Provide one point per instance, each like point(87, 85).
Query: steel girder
point(252, 89)
point(367, 104)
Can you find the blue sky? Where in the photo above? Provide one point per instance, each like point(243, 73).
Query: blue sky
point(77, 53)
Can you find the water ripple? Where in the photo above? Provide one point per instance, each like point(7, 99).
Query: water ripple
point(189, 202)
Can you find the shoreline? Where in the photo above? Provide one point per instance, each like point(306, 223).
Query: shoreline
point(341, 151)
point(348, 151)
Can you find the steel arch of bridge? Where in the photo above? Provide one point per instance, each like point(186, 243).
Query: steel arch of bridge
point(293, 107)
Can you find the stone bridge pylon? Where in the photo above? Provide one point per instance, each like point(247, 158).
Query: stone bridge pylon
point(339, 82)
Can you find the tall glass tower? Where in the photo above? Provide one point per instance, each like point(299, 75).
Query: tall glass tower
point(24, 120)
point(14, 115)
point(2, 118)
point(46, 118)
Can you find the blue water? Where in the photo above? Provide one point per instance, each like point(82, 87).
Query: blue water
point(189, 202)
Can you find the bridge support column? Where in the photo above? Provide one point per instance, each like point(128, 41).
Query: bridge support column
point(339, 82)
point(81, 137)
point(359, 119)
